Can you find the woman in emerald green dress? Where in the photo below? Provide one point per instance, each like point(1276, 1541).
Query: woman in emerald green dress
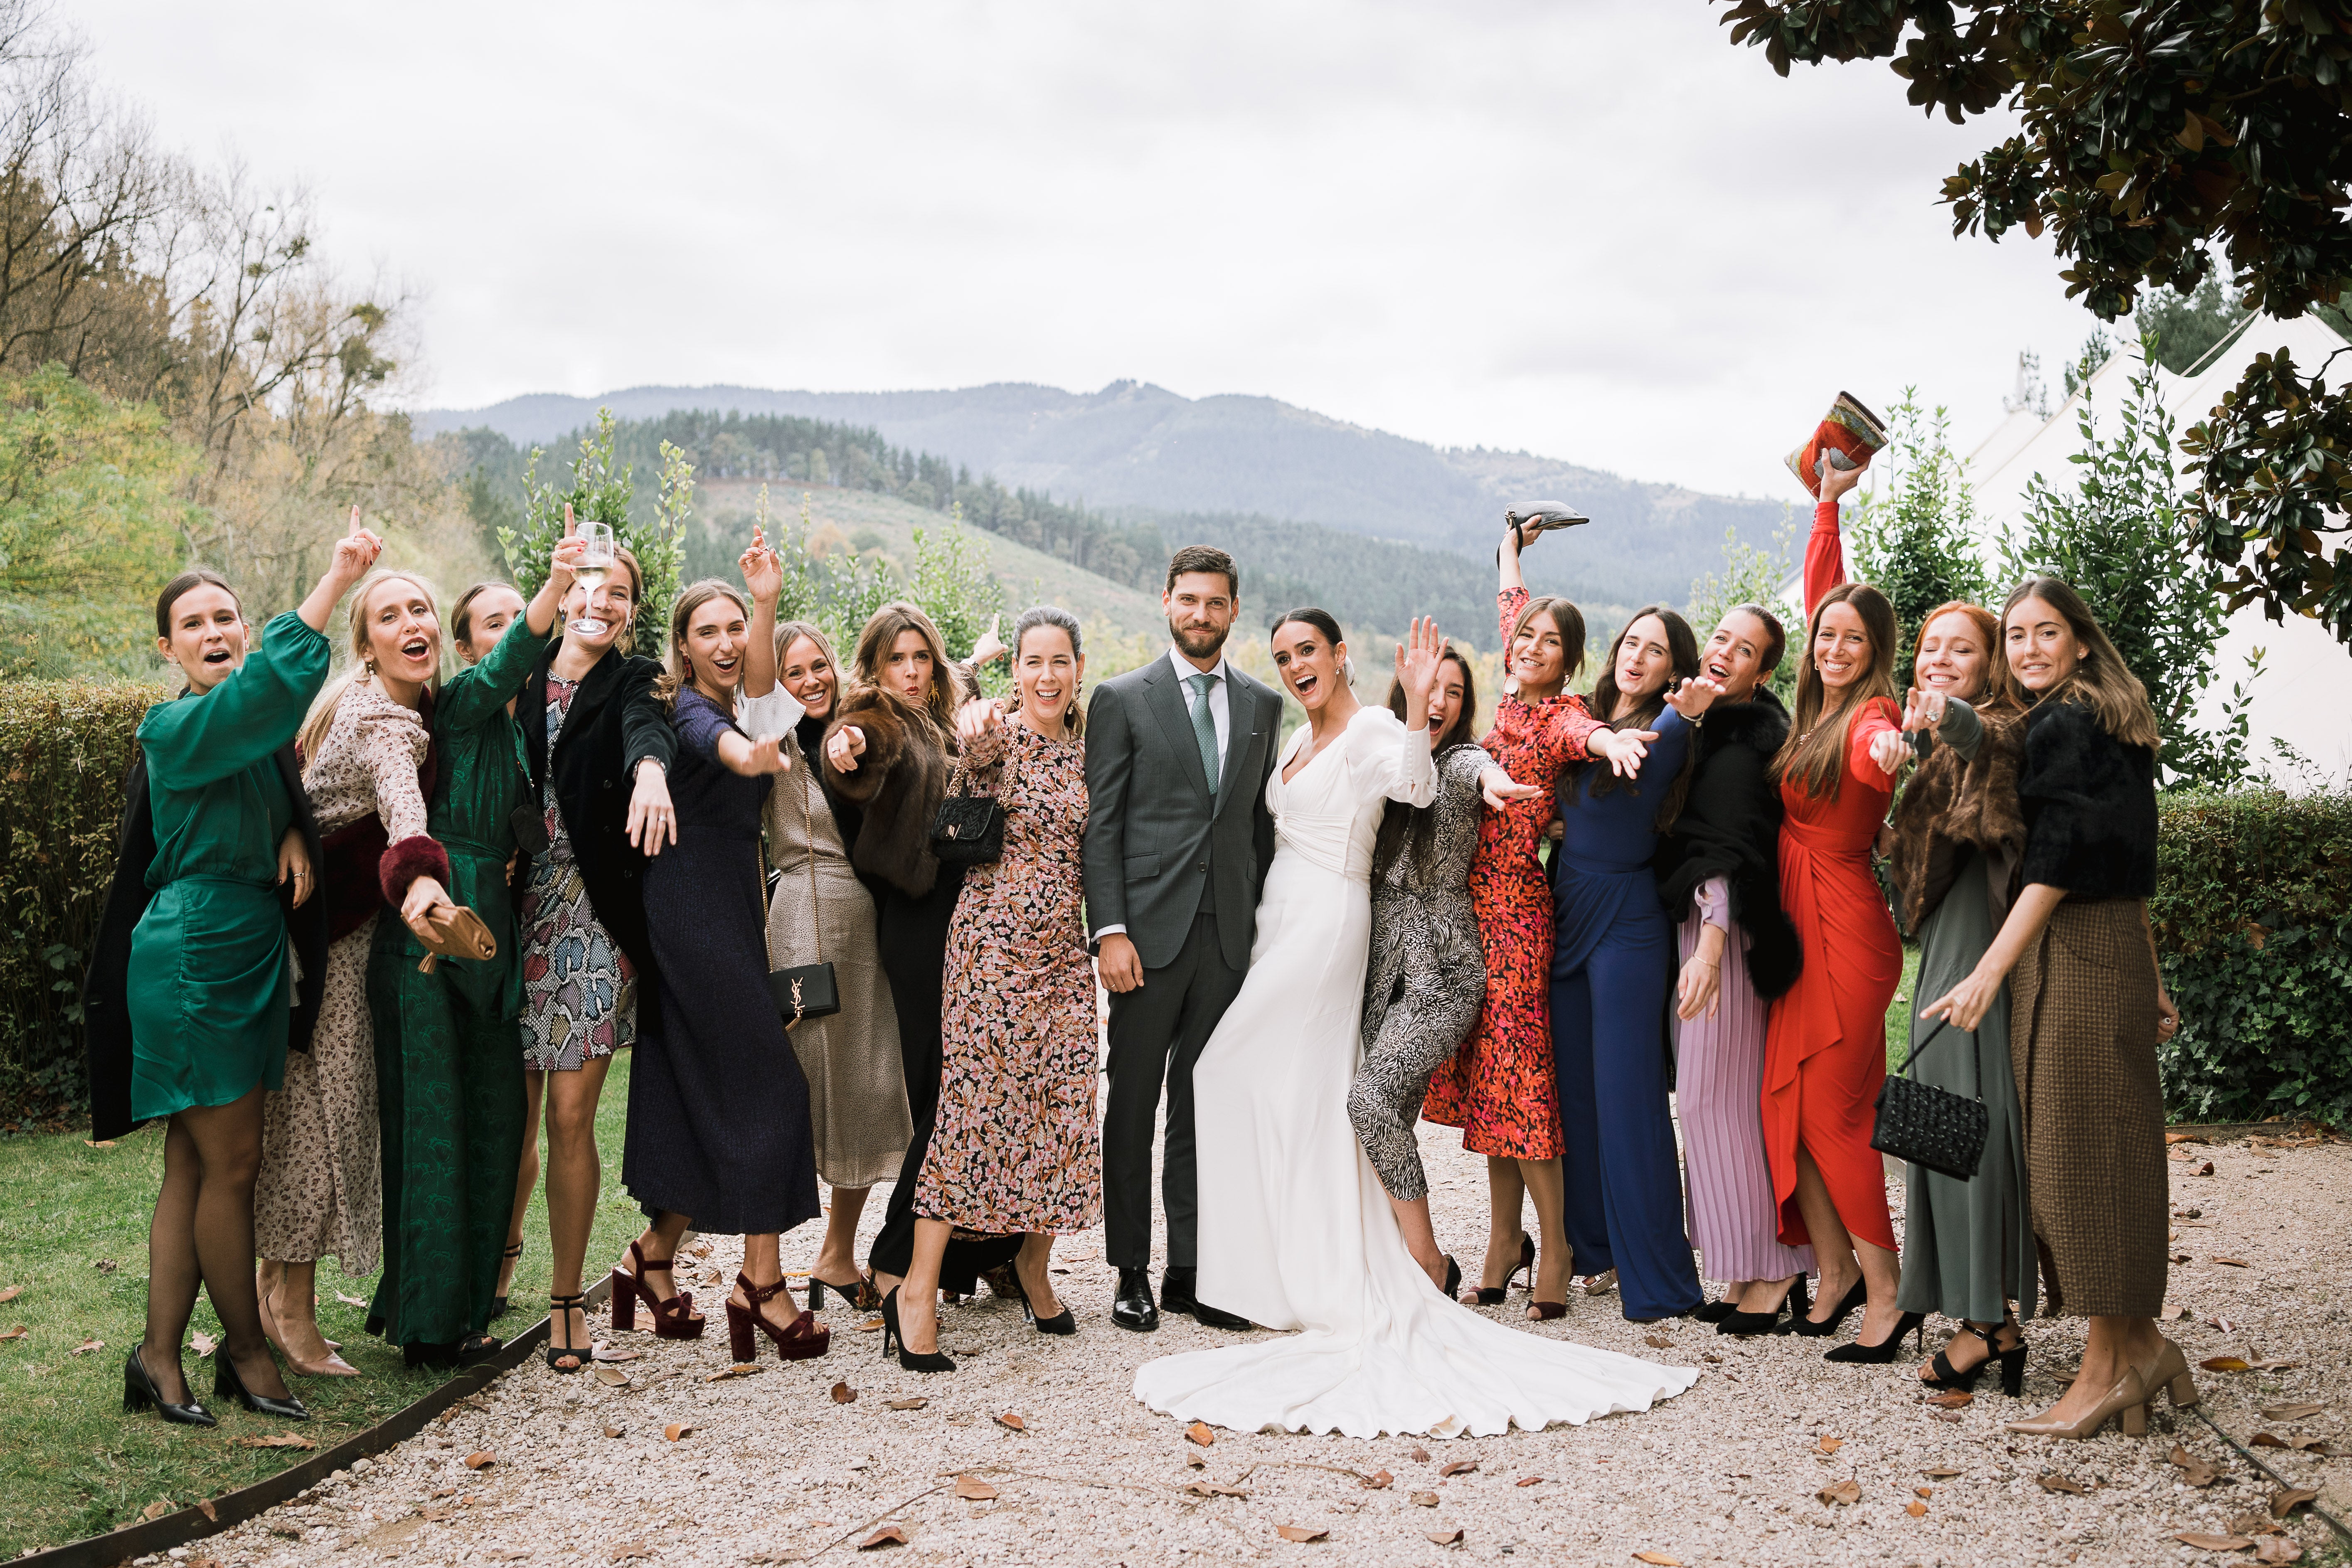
point(448, 1059)
point(208, 986)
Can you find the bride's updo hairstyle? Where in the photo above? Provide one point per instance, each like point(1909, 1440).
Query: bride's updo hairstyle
point(1322, 621)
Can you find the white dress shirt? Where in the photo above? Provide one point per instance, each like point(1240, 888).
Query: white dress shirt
point(1219, 715)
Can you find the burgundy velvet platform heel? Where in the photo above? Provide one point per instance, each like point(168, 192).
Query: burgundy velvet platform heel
point(801, 1340)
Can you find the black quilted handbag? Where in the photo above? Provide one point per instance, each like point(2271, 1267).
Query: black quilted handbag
point(970, 829)
point(1930, 1126)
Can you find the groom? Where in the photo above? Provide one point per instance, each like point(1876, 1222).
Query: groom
point(1178, 841)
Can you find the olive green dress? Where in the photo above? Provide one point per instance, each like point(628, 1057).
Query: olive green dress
point(211, 980)
point(448, 1053)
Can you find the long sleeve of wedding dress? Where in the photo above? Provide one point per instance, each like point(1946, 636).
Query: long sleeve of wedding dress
point(1296, 1230)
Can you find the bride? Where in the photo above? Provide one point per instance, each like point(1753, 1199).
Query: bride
point(1296, 1232)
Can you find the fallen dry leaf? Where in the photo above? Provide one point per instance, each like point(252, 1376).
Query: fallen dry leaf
point(1012, 1423)
point(611, 1377)
point(962, 1419)
point(740, 1369)
point(1940, 1473)
point(203, 1343)
point(1528, 1481)
point(99, 1143)
point(2226, 1364)
point(87, 1346)
point(1212, 1488)
point(844, 1394)
point(888, 1535)
point(480, 1459)
point(2194, 1472)
point(628, 1550)
point(1424, 1500)
point(2290, 1412)
point(1199, 1432)
point(156, 1510)
point(606, 1353)
point(2278, 1549)
point(1832, 1444)
point(2310, 1446)
point(1657, 1341)
point(2204, 1170)
point(1915, 1509)
point(1709, 1355)
point(205, 1506)
point(868, 1326)
point(2256, 1524)
point(1459, 1468)
point(106, 1266)
point(1453, 1538)
point(971, 1489)
point(2265, 1440)
point(2234, 1263)
point(2057, 1483)
point(1956, 1399)
point(615, 1431)
point(1923, 1492)
point(917, 1403)
point(18, 1332)
point(677, 1430)
point(2287, 1499)
point(2181, 1258)
point(1191, 1461)
point(1300, 1532)
point(1846, 1492)
point(1380, 1480)
point(1658, 1559)
point(1420, 1455)
point(2185, 1137)
point(276, 1440)
point(2274, 1365)
point(2205, 1543)
point(2171, 1310)
point(350, 1301)
point(11, 1293)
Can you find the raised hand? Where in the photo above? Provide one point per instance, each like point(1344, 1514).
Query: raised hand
point(1417, 657)
point(1501, 790)
point(1836, 481)
point(1694, 696)
point(1623, 749)
point(977, 718)
point(355, 551)
point(763, 568)
point(844, 747)
point(989, 646)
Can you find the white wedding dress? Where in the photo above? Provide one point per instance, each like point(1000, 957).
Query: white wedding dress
point(1296, 1229)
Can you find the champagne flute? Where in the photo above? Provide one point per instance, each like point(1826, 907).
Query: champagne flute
point(597, 559)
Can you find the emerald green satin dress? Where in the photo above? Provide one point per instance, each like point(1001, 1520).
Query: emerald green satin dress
point(448, 1047)
point(211, 983)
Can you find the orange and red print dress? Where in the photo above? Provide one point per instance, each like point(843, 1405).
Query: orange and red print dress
point(1826, 1047)
point(1497, 1088)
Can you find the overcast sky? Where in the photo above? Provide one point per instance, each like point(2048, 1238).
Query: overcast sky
point(1589, 228)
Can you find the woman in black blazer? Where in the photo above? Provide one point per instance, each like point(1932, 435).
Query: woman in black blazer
point(599, 745)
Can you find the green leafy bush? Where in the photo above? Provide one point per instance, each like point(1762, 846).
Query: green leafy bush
point(2253, 928)
point(64, 749)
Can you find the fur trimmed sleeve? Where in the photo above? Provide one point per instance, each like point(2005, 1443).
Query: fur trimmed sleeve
point(886, 743)
point(405, 860)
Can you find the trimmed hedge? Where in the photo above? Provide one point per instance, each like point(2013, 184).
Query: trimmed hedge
point(2253, 929)
point(64, 748)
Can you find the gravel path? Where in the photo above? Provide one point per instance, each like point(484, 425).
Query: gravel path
point(1747, 1468)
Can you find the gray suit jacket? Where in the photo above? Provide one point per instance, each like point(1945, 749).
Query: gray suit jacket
point(1152, 829)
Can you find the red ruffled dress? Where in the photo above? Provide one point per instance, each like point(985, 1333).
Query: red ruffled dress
point(1498, 1087)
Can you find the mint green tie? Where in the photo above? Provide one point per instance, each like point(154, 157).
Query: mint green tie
point(1205, 727)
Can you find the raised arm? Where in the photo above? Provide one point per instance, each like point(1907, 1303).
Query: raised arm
point(763, 576)
point(199, 739)
point(1825, 548)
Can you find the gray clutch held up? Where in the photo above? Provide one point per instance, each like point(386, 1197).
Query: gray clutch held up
point(1527, 522)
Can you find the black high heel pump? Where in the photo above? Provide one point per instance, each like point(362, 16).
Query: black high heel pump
point(1492, 1296)
point(1857, 1352)
point(912, 1361)
point(139, 1391)
point(1066, 1323)
point(1796, 1302)
point(1803, 1324)
point(228, 1385)
point(2012, 1363)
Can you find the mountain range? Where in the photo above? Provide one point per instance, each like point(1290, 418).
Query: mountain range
point(1138, 450)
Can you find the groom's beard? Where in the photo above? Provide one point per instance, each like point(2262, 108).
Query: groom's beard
point(1197, 641)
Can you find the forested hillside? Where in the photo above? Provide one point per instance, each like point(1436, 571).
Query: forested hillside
point(1132, 449)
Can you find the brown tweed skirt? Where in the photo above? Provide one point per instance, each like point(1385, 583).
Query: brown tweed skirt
point(2082, 1034)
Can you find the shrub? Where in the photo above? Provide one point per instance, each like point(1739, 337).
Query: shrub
point(2253, 929)
point(64, 748)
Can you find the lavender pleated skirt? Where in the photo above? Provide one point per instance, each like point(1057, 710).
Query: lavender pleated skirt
point(1719, 1091)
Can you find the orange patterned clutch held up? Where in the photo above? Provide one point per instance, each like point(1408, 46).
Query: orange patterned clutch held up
point(1846, 438)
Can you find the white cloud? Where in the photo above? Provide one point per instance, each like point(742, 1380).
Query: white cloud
point(1594, 230)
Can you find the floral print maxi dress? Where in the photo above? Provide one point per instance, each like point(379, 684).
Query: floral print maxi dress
point(1016, 1148)
point(1499, 1089)
point(579, 991)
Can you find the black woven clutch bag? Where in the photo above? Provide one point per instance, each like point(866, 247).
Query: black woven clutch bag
point(1930, 1126)
point(970, 829)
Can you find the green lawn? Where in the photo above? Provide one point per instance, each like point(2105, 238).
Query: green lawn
point(73, 1234)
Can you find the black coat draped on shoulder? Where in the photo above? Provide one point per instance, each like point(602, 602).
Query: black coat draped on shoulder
point(106, 983)
point(615, 723)
point(2089, 802)
point(1731, 828)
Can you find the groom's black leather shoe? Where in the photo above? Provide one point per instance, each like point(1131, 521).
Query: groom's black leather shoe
point(1132, 1307)
point(1176, 1295)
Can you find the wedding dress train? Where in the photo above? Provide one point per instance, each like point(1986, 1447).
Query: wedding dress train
point(1296, 1229)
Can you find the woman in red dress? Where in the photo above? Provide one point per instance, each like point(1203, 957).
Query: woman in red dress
point(1826, 1047)
point(1498, 1085)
